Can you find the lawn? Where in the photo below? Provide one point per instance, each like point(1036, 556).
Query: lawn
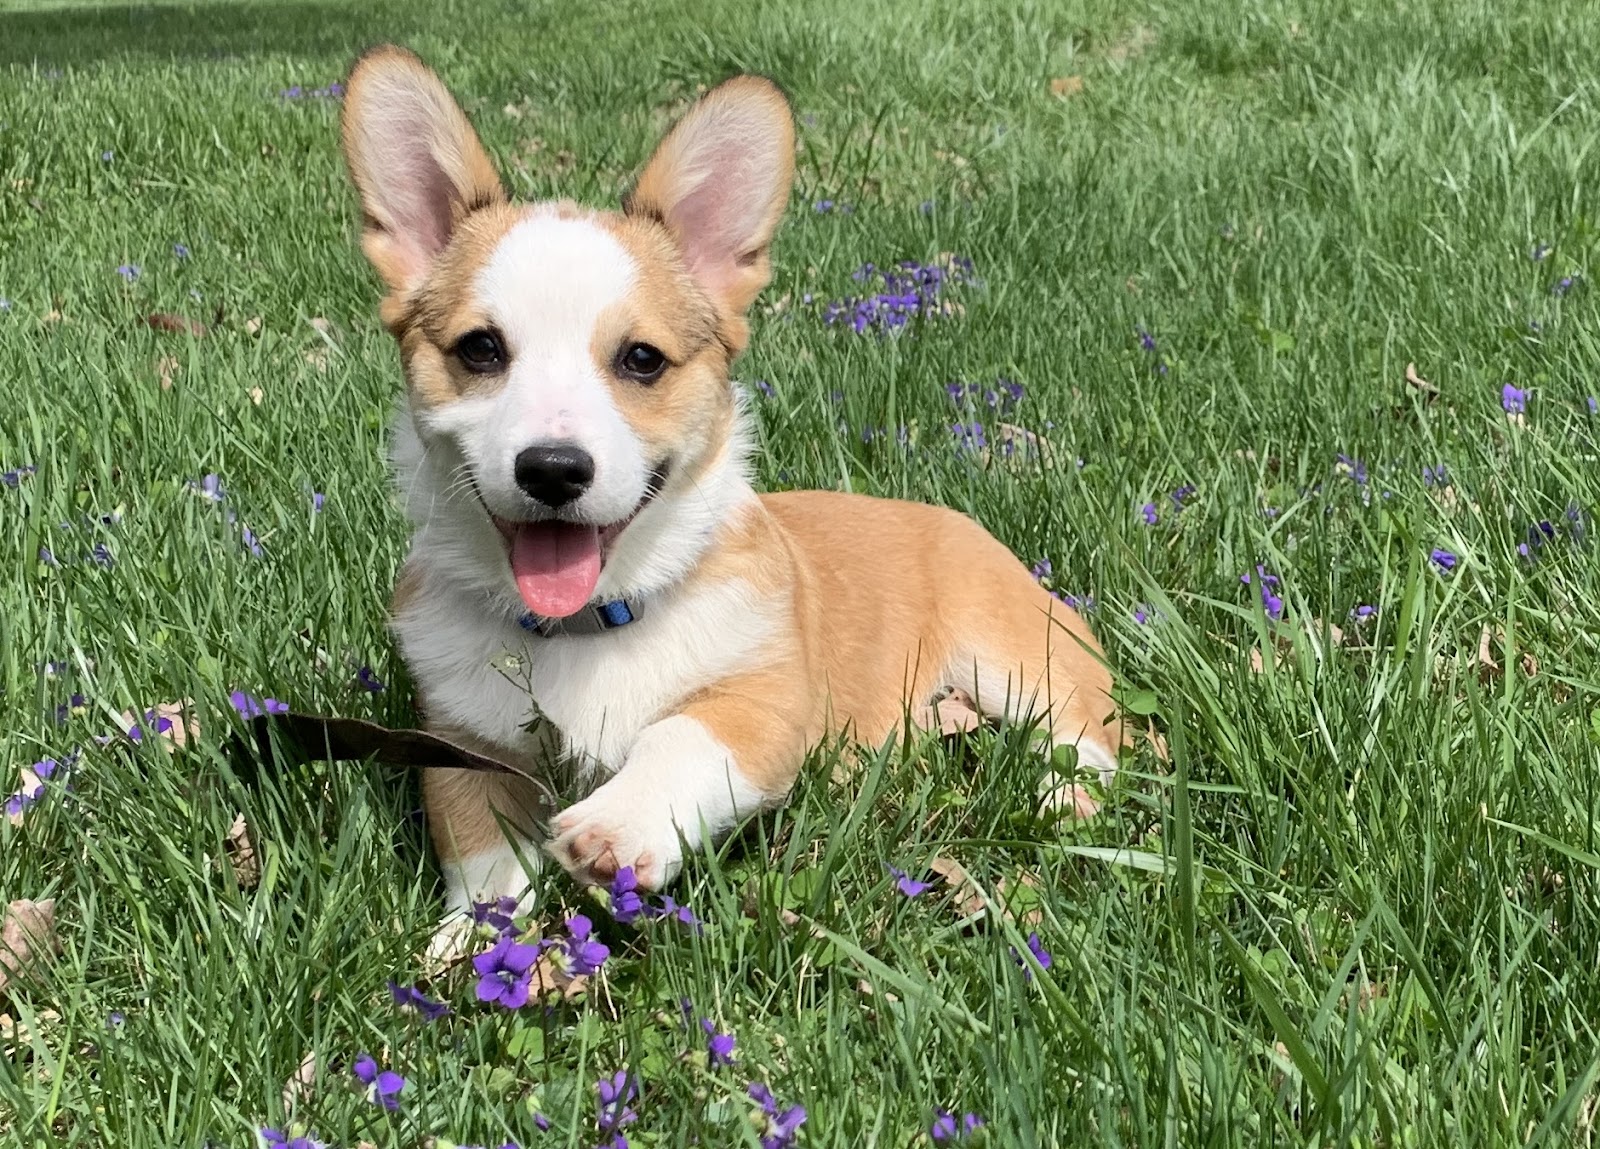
point(1298, 290)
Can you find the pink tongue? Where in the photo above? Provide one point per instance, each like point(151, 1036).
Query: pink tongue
point(556, 566)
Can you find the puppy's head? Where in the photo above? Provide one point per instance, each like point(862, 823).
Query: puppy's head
point(571, 364)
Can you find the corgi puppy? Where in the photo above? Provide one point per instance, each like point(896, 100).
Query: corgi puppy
point(592, 577)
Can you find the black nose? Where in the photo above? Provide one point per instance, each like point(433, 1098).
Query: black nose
point(555, 473)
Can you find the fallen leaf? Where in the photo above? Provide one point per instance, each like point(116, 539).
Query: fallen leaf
point(1066, 86)
point(322, 327)
point(550, 978)
point(1021, 447)
point(256, 395)
point(242, 852)
point(183, 726)
point(298, 1087)
point(969, 902)
point(452, 943)
point(167, 370)
point(15, 1034)
point(1419, 383)
point(1488, 667)
point(513, 111)
point(317, 357)
point(28, 936)
point(177, 324)
point(1530, 665)
point(1131, 45)
point(252, 326)
point(1158, 742)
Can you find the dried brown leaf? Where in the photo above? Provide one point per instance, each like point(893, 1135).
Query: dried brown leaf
point(176, 324)
point(1488, 666)
point(298, 1087)
point(1530, 665)
point(14, 1034)
point(242, 852)
point(184, 728)
point(257, 395)
point(321, 326)
point(27, 937)
point(1064, 86)
point(550, 979)
point(1417, 382)
point(252, 326)
point(317, 357)
point(167, 370)
point(968, 901)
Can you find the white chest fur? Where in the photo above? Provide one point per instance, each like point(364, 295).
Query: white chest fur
point(482, 674)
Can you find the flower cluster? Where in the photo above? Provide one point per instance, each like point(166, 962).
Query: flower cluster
point(903, 292)
point(1042, 574)
point(34, 779)
point(1003, 395)
point(248, 706)
point(628, 906)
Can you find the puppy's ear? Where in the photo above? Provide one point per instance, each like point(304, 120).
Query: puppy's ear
point(719, 181)
point(415, 160)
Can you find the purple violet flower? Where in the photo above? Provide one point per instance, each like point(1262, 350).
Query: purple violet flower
point(719, 1046)
point(180, 251)
point(369, 681)
point(1040, 954)
point(765, 388)
point(383, 1087)
point(908, 885)
point(945, 1127)
point(495, 918)
point(1563, 285)
point(249, 706)
point(1513, 399)
point(1041, 570)
point(209, 487)
point(13, 478)
point(505, 972)
point(129, 272)
point(412, 998)
point(1435, 476)
point(102, 557)
point(1148, 513)
point(1363, 612)
point(1268, 583)
point(779, 1128)
point(615, 1094)
point(583, 954)
point(1444, 560)
point(1351, 468)
point(1144, 614)
point(277, 1139)
point(318, 499)
point(626, 904)
point(669, 908)
point(1593, 404)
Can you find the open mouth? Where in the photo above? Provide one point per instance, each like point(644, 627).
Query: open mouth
point(556, 563)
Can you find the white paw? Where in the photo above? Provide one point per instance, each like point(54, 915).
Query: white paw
point(613, 828)
point(492, 875)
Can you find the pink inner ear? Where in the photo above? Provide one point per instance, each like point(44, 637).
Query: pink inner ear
point(719, 221)
point(415, 198)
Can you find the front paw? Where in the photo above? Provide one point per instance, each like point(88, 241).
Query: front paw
point(606, 832)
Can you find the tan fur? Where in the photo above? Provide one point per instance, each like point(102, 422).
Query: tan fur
point(887, 602)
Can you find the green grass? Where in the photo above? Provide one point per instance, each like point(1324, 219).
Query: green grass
point(1356, 908)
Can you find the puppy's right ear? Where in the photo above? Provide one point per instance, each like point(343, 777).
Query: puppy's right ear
point(415, 160)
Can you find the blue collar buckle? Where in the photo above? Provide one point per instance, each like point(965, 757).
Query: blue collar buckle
point(595, 619)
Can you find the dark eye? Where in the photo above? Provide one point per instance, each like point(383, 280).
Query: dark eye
point(642, 362)
point(481, 351)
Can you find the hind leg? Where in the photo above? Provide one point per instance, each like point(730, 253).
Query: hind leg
point(1038, 660)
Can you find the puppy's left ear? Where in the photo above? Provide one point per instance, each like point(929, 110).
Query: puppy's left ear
point(719, 181)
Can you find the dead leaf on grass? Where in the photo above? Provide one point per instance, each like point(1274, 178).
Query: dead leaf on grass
point(968, 901)
point(317, 357)
point(167, 370)
point(1530, 665)
point(28, 937)
point(173, 722)
point(242, 852)
point(1485, 661)
point(1418, 383)
point(15, 1033)
point(1064, 86)
point(177, 324)
point(321, 326)
point(256, 395)
point(550, 979)
point(252, 326)
point(298, 1087)
point(1135, 43)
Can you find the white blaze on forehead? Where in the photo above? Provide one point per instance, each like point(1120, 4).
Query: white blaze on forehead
point(549, 280)
point(545, 287)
